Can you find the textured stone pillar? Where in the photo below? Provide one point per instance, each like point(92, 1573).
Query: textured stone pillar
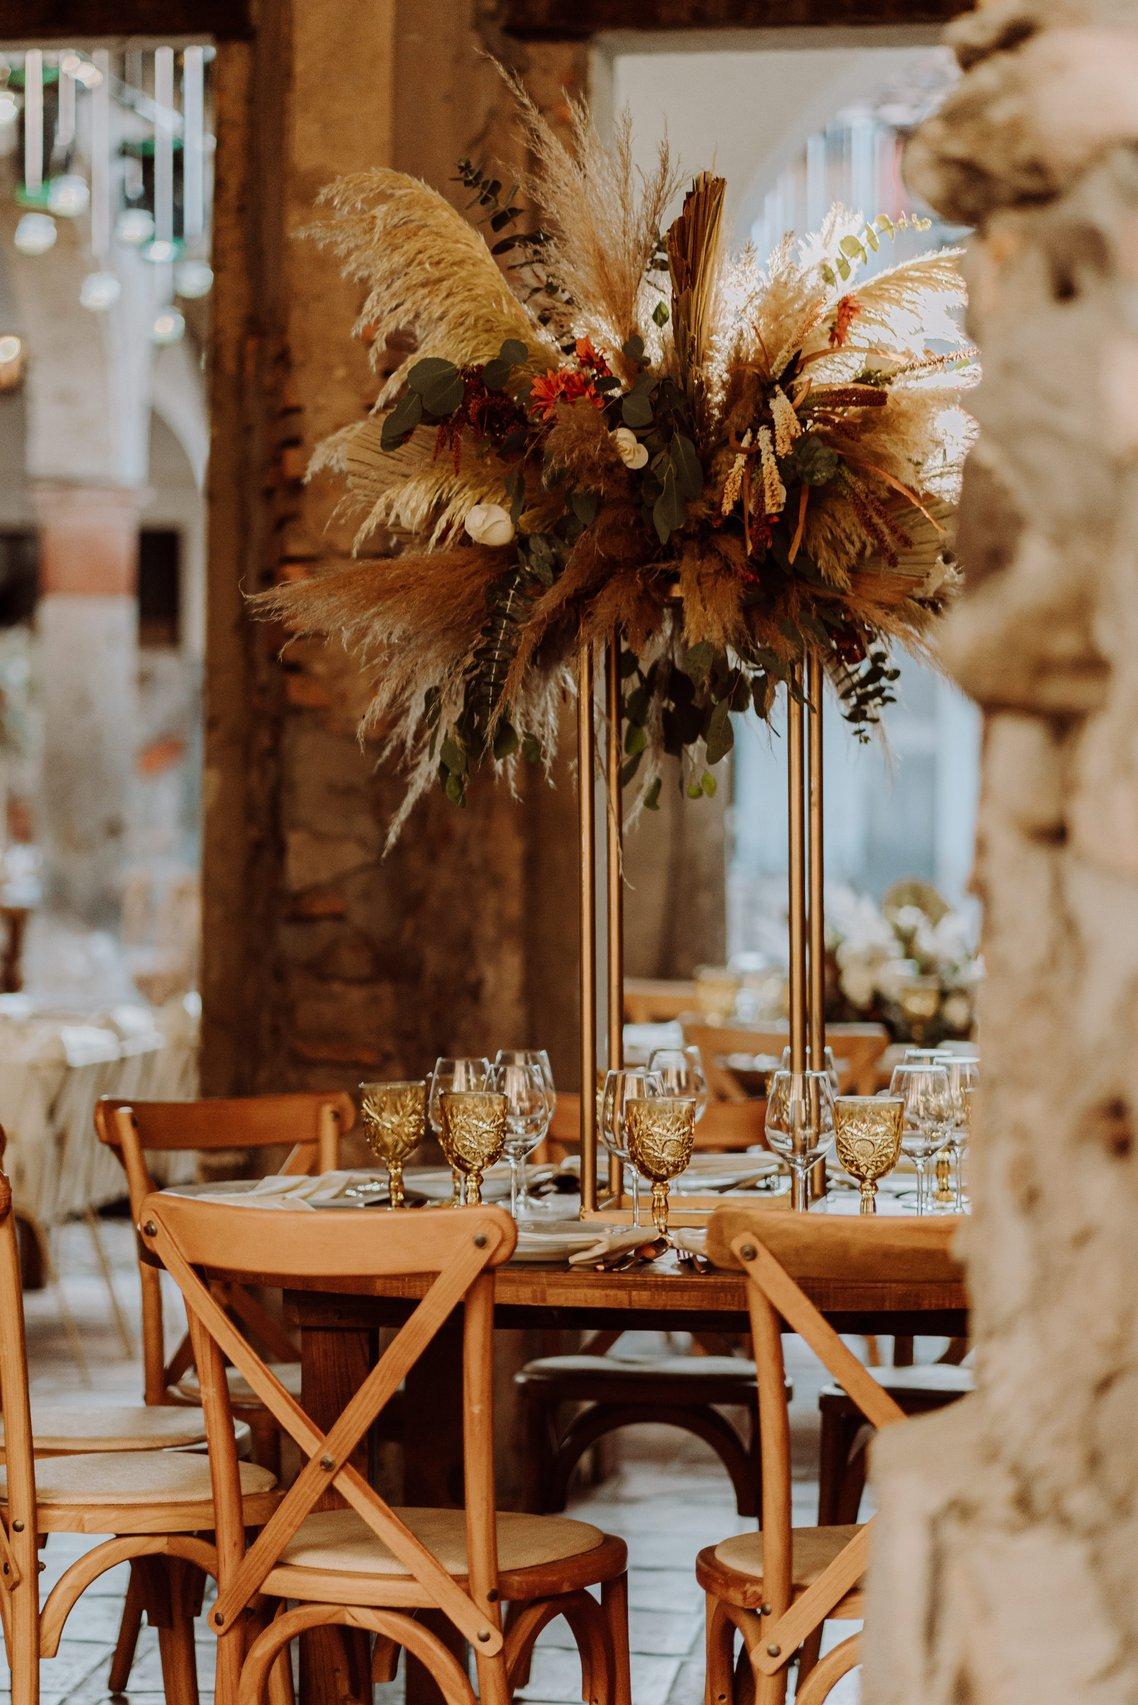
point(87, 626)
point(1007, 1549)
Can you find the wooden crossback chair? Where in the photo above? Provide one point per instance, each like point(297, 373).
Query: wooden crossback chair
point(156, 1505)
point(608, 1394)
point(361, 1563)
point(311, 1127)
point(859, 1046)
point(777, 1587)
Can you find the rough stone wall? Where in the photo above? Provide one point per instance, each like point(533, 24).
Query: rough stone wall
point(1008, 1542)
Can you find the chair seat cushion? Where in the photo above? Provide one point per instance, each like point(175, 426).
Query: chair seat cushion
point(240, 1391)
point(338, 1540)
point(58, 1428)
point(917, 1388)
point(707, 1379)
point(733, 1570)
point(110, 1477)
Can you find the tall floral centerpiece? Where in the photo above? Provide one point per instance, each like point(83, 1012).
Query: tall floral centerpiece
point(609, 424)
point(735, 474)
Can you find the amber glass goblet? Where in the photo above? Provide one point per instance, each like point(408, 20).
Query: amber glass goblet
point(867, 1136)
point(395, 1122)
point(473, 1133)
point(661, 1136)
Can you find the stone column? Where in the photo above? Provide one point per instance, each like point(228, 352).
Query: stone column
point(1007, 1547)
point(87, 627)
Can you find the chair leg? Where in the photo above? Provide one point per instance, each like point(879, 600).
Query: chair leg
point(538, 1491)
point(614, 1604)
point(266, 1440)
point(172, 1592)
point(24, 1643)
point(719, 1686)
point(122, 1326)
point(129, 1629)
point(70, 1327)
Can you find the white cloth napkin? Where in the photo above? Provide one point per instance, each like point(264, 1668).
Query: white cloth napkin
point(301, 1191)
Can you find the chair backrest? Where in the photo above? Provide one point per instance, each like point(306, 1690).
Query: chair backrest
point(18, 1526)
point(785, 1256)
point(311, 1124)
point(656, 1000)
point(199, 1241)
point(726, 1126)
point(860, 1046)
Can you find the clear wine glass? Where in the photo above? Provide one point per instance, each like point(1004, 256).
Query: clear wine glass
point(462, 1071)
point(830, 1066)
point(527, 1120)
point(923, 1087)
point(963, 1079)
point(620, 1088)
point(681, 1072)
point(800, 1125)
point(538, 1057)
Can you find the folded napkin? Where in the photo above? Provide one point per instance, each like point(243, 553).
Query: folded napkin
point(301, 1191)
point(612, 1246)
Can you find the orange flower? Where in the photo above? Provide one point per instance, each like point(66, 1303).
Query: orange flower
point(560, 385)
point(847, 312)
point(587, 356)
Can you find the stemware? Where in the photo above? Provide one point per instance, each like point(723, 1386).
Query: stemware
point(830, 1066)
point(464, 1071)
point(963, 1080)
point(924, 1088)
point(661, 1136)
point(681, 1072)
point(472, 1133)
point(395, 1122)
point(621, 1087)
point(800, 1125)
point(867, 1136)
point(527, 1118)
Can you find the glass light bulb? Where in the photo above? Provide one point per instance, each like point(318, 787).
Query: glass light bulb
point(99, 291)
point(134, 226)
point(11, 348)
point(193, 278)
point(168, 326)
point(89, 75)
point(160, 251)
point(35, 233)
point(9, 107)
point(68, 195)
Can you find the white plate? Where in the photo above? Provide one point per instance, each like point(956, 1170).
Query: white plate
point(722, 1171)
point(555, 1241)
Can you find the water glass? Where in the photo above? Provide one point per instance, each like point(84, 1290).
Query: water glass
point(463, 1071)
point(528, 1113)
point(924, 1089)
point(620, 1088)
point(800, 1125)
point(681, 1072)
point(829, 1066)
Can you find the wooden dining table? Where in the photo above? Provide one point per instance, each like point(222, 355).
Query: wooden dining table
point(340, 1331)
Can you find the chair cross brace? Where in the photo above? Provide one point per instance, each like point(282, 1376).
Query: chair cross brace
point(328, 1454)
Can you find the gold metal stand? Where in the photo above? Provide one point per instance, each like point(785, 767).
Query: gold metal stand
point(586, 758)
point(806, 882)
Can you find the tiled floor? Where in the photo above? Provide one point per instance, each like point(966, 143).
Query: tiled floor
point(667, 1498)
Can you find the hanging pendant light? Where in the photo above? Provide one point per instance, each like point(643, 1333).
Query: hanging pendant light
point(168, 326)
point(100, 289)
point(35, 233)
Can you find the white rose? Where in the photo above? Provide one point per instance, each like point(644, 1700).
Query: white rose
point(628, 447)
point(489, 524)
point(957, 1012)
point(858, 986)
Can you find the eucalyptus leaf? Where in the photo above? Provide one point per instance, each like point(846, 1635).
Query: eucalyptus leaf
point(428, 370)
point(652, 797)
point(635, 739)
point(697, 660)
point(443, 394)
point(636, 405)
point(685, 459)
point(669, 509)
point(402, 420)
point(720, 735)
point(505, 740)
point(453, 756)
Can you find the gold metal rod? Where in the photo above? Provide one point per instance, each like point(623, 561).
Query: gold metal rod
point(817, 992)
point(615, 873)
point(586, 757)
point(796, 757)
point(817, 928)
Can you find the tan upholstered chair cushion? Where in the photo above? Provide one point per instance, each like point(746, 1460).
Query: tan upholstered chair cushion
point(114, 1477)
point(240, 1391)
point(338, 1540)
point(59, 1428)
point(814, 1549)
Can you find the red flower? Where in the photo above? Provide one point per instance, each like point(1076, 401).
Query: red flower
point(587, 356)
point(847, 312)
point(561, 385)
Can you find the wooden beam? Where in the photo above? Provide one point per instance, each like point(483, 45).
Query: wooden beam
point(553, 18)
point(83, 20)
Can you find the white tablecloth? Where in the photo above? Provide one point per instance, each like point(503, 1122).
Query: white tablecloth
point(54, 1066)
